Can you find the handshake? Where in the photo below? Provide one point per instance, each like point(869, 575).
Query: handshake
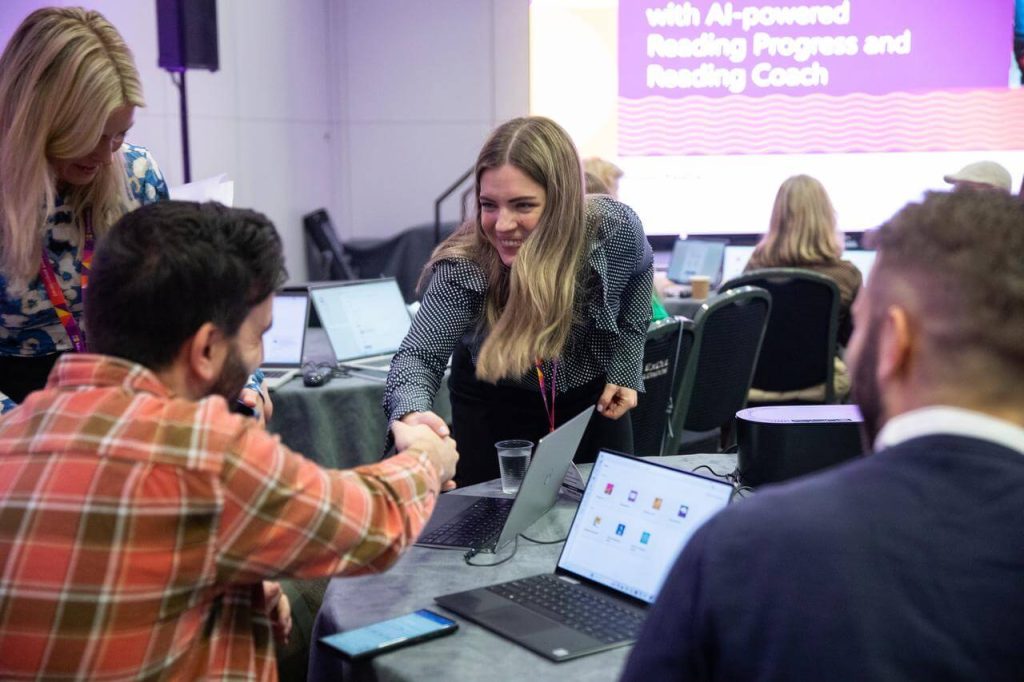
point(428, 433)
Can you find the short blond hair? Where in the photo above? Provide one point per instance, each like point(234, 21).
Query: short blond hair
point(65, 70)
point(605, 172)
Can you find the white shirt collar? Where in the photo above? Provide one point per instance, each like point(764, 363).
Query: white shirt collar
point(942, 419)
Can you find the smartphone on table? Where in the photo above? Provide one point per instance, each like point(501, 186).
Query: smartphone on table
point(388, 635)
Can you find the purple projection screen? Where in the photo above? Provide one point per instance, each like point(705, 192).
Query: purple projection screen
point(708, 106)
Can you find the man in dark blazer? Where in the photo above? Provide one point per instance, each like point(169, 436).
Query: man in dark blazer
point(907, 564)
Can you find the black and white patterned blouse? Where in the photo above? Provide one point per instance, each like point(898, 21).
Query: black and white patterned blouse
point(615, 311)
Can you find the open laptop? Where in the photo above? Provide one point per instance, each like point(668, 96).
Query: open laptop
point(634, 519)
point(365, 321)
point(489, 523)
point(696, 257)
point(735, 261)
point(283, 342)
point(863, 259)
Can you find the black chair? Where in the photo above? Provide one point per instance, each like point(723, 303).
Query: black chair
point(326, 256)
point(661, 352)
point(799, 346)
point(726, 335)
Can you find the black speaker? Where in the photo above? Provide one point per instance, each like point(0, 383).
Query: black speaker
point(187, 32)
point(780, 442)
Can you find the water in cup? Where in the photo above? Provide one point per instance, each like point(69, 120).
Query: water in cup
point(513, 460)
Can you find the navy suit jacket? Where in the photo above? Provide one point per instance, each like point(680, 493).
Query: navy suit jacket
point(904, 565)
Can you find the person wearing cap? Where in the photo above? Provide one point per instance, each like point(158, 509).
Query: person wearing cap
point(983, 175)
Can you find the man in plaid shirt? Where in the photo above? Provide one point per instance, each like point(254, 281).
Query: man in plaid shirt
point(139, 517)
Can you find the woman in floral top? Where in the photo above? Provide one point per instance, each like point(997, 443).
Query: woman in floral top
point(68, 93)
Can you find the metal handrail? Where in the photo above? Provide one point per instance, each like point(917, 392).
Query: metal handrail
point(444, 195)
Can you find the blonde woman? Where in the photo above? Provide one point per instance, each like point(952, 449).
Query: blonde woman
point(68, 93)
point(803, 234)
point(542, 302)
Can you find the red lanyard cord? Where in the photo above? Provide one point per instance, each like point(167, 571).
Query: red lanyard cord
point(47, 271)
point(549, 407)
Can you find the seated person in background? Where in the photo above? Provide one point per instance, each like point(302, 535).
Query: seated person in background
point(596, 185)
point(141, 516)
point(905, 564)
point(802, 233)
point(604, 174)
point(981, 175)
point(542, 302)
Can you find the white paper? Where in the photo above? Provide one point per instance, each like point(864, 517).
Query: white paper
point(217, 188)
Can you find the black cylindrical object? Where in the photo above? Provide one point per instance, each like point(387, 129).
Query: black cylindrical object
point(781, 442)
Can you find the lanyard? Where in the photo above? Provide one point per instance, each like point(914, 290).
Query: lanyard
point(56, 294)
point(549, 408)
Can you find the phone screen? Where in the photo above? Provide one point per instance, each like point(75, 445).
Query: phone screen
point(391, 634)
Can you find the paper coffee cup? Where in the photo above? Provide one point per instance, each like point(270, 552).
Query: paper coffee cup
point(701, 286)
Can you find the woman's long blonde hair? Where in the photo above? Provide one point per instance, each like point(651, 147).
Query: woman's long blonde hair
point(530, 306)
point(802, 229)
point(61, 75)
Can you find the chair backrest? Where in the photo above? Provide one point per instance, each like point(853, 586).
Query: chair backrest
point(726, 337)
point(800, 344)
point(327, 254)
point(660, 360)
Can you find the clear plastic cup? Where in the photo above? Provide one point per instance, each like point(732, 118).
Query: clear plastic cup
point(513, 460)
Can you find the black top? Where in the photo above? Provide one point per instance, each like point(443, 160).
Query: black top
point(608, 340)
point(904, 565)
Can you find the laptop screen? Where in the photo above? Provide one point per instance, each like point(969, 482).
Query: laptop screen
point(864, 260)
point(695, 257)
point(634, 519)
point(282, 343)
point(736, 258)
point(362, 318)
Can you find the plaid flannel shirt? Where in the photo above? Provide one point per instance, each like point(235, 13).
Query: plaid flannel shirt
point(136, 528)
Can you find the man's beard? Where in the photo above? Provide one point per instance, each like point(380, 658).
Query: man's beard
point(864, 387)
point(232, 376)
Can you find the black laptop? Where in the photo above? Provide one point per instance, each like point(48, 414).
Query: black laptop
point(634, 519)
point(489, 523)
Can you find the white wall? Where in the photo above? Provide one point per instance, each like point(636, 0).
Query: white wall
point(369, 108)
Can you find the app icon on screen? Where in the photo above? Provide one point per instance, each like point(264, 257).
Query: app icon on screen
point(620, 529)
point(597, 520)
point(645, 538)
point(683, 509)
point(657, 503)
point(632, 495)
point(609, 488)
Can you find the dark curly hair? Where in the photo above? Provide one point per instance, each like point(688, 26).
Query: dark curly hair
point(167, 268)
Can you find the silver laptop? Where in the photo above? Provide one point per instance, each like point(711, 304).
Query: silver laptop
point(696, 257)
point(634, 520)
point(365, 321)
point(283, 342)
point(735, 261)
point(489, 523)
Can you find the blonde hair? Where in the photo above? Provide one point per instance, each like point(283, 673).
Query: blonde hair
point(530, 306)
point(802, 230)
point(61, 75)
point(606, 173)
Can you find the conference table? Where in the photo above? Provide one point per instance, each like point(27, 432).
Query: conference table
point(684, 306)
point(340, 424)
point(473, 652)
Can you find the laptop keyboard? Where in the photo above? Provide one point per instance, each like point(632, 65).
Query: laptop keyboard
point(579, 609)
point(478, 526)
point(275, 373)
